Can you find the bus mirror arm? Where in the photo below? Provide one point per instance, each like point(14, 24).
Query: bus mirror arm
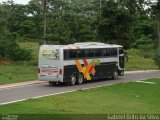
point(126, 57)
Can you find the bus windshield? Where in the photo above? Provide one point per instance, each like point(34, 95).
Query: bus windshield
point(50, 54)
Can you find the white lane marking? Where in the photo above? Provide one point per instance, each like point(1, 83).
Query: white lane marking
point(141, 71)
point(20, 86)
point(146, 82)
point(5, 103)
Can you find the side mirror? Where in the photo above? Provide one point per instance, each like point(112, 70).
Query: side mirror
point(126, 59)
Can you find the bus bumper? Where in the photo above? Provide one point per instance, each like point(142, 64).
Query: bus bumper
point(53, 79)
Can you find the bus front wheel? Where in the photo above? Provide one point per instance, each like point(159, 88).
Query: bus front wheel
point(115, 75)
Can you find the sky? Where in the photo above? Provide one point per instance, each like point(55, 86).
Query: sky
point(17, 1)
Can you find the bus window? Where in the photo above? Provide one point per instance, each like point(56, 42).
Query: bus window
point(98, 52)
point(121, 51)
point(104, 52)
point(73, 54)
point(90, 53)
point(50, 54)
point(66, 54)
point(108, 52)
point(81, 53)
point(70, 54)
point(113, 52)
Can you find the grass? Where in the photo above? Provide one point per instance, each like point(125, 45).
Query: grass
point(138, 62)
point(17, 73)
point(123, 98)
point(21, 71)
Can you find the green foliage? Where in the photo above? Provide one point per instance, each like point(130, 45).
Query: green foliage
point(139, 61)
point(68, 21)
point(114, 25)
point(28, 29)
point(9, 49)
point(157, 59)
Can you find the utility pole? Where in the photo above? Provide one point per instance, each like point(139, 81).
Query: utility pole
point(100, 6)
point(44, 10)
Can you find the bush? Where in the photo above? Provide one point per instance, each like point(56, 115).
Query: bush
point(9, 49)
point(157, 59)
point(21, 55)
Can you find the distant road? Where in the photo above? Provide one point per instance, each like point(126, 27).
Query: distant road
point(20, 93)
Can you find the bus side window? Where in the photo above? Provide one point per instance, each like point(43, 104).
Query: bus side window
point(81, 53)
point(103, 52)
point(98, 52)
point(89, 53)
point(66, 54)
point(108, 52)
point(73, 54)
point(114, 52)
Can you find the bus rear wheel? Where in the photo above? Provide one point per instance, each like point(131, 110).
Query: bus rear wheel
point(115, 75)
point(79, 79)
point(73, 80)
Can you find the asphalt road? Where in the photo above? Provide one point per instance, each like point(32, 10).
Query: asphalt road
point(10, 95)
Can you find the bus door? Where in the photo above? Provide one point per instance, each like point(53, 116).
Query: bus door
point(121, 58)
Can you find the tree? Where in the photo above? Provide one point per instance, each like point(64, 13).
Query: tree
point(156, 14)
point(114, 26)
point(157, 59)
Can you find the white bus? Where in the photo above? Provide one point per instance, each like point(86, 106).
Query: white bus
point(79, 62)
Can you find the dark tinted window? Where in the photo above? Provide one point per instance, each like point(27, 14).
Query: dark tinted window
point(98, 52)
point(114, 52)
point(108, 52)
point(121, 51)
point(70, 54)
point(66, 54)
point(73, 54)
point(90, 53)
point(81, 53)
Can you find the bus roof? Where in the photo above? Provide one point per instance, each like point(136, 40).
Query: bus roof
point(83, 45)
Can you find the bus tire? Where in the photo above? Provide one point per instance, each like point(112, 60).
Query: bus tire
point(73, 80)
point(79, 79)
point(115, 75)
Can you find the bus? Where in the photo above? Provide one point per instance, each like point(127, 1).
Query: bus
point(79, 62)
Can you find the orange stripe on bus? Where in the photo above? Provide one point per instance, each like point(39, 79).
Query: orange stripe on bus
point(78, 65)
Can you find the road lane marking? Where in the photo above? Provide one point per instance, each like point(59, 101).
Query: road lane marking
point(146, 82)
point(5, 103)
point(20, 86)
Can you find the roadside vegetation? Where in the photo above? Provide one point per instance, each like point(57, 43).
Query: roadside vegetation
point(123, 98)
point(27, 70)
point(137, 60)
point(17, 72)
point(129, 23)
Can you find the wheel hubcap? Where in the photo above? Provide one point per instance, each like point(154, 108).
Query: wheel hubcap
point(116, 75)
point(73, 80)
